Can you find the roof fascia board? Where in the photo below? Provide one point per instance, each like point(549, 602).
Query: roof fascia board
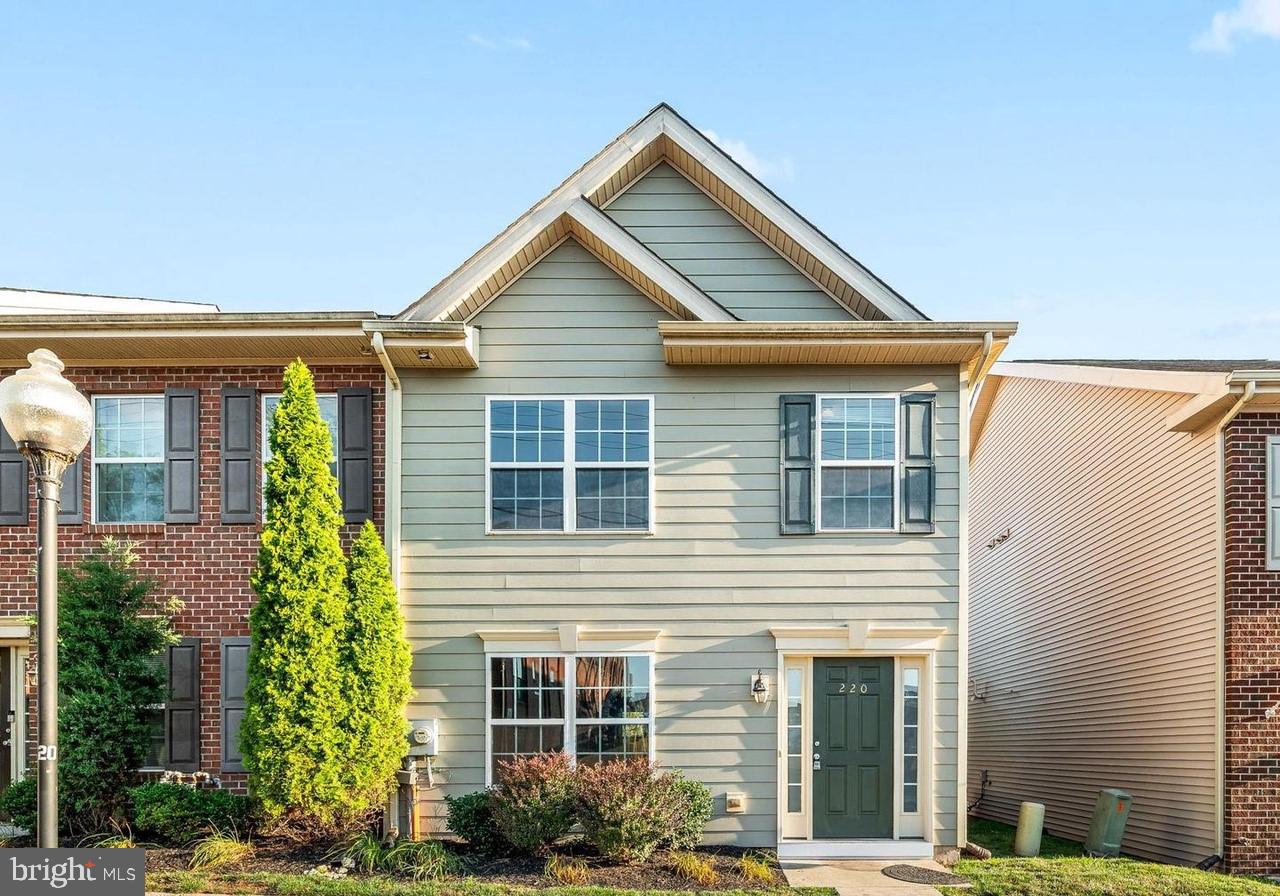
point(1186, 382)
point(478, 268)
point(800, 230)
point(912, 330)
point(632, 250)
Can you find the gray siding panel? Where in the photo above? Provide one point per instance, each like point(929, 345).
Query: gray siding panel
point(691, 232)
point(1093, 627)
point(716, 575)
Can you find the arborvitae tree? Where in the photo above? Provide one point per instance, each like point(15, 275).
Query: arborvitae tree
point(293, 740)
point(112, 632)
point(376, 660)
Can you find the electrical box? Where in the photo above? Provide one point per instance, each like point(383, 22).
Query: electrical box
point(424, 737)
point(735, 802)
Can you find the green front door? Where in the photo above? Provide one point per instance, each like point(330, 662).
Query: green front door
point(853, 748)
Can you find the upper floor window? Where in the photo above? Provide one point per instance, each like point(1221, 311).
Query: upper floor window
point(128, 459)
point(858, 459)
point(570, 464)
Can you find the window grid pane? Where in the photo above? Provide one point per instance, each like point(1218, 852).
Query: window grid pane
point(527, 499)
point(795, 739)
point(611, 430)
point(857, 497)
point(613, 498)
point(526, 431)
point(858, 429)
point(910, 739)
point(328, 403)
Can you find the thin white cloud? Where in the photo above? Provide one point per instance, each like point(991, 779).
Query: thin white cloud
point(505, 43)
point(1248, 323)
point(1250, 19)
point(782, 168)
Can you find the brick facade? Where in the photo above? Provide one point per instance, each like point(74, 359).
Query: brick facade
point(206, 564)
point(1252, 645)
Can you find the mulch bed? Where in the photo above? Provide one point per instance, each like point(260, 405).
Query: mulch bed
point(524, 871)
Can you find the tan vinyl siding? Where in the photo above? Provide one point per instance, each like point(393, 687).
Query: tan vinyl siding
point(1093, 626)
point(716, 575)
point(691, 232)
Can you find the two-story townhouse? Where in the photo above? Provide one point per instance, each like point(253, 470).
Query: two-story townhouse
point(182, 397)
point(703, 499)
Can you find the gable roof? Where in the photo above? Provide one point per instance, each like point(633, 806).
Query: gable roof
point(573, 208)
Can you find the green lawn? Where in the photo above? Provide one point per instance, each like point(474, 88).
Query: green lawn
point(1063, 871)
point(268, 884)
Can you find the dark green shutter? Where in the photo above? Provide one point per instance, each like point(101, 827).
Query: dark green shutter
point(238, 472)
point(182, 709)
point(13, 483)
point(797, 461)
point(181, 456)
point(355, 453)
point(918, 478)
point(71, 510)
point(235, 677)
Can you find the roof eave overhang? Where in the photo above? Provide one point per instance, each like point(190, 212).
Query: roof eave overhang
point(859, 343)
point(1241, 389)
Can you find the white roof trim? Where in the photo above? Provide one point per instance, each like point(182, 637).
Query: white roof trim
point(454, 288)
point(1183, 381)
point(702, 306)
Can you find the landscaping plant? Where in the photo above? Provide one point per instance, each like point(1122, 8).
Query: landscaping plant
point(295, 744)
point(626, 809)
point(471, 818)
point(220, 849)
point(375, 660)
point(534, 805)
point(695, 809)
point(566, 871)
point(694, 867)
point(18, 802)
point(420, 859)
point(177, 813)
point(111, 630)
point(756, 866)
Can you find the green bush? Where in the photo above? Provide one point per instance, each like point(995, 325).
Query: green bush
point(111, 632)
point(533, 807)
point(471, 818)
point(295, 745)
point(375, 660)
point(625, 809)
point(179, 814)
point(695, 809)
point(18, 801)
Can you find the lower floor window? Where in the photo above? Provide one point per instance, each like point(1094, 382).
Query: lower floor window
point(595, 708)
point(910, 739)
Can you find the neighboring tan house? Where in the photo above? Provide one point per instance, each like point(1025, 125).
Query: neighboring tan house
point(1125, 609)
point(701, 442)
point(181, 396)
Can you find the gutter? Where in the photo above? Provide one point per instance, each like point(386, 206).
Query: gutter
point(976, 388)
point(1250, 390)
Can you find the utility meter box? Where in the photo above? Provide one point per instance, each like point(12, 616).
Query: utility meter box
point(1107, 828)
point(424, 737)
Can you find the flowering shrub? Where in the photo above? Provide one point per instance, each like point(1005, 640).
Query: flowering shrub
point(533, 806)
point(627, 810)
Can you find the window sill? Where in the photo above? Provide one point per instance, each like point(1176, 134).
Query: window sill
point(557, 533)
point(125, 528)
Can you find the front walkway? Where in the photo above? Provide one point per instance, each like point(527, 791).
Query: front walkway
point(856, 878)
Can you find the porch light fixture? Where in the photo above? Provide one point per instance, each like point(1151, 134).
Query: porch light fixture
point(50, 423)
point(760, 687)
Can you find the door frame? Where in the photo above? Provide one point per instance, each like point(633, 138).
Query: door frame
point(913, 647)
point(14, 644)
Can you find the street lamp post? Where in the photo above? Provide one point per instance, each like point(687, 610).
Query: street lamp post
point(50, 422)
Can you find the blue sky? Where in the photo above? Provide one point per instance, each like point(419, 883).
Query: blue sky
point(1106, 173)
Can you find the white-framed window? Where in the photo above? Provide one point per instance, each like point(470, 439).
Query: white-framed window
point(857, 482)
point(594, 707)
point(1273, 502)
point(910, 738)
point(328, 402)
point(569, 464)
point(128, 459)
point(795, 738)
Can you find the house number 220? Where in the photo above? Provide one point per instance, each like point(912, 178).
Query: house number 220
point(852, 688)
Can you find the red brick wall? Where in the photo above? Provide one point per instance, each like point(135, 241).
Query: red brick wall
point(206, 564)
point(1252, 785)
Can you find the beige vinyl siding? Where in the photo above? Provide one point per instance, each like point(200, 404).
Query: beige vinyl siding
point(716, 575)
point(1093, 626)
point(690, 231)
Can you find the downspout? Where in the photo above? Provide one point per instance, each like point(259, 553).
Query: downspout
point(1250, 390)
point(380, 349)
point(988, 341)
